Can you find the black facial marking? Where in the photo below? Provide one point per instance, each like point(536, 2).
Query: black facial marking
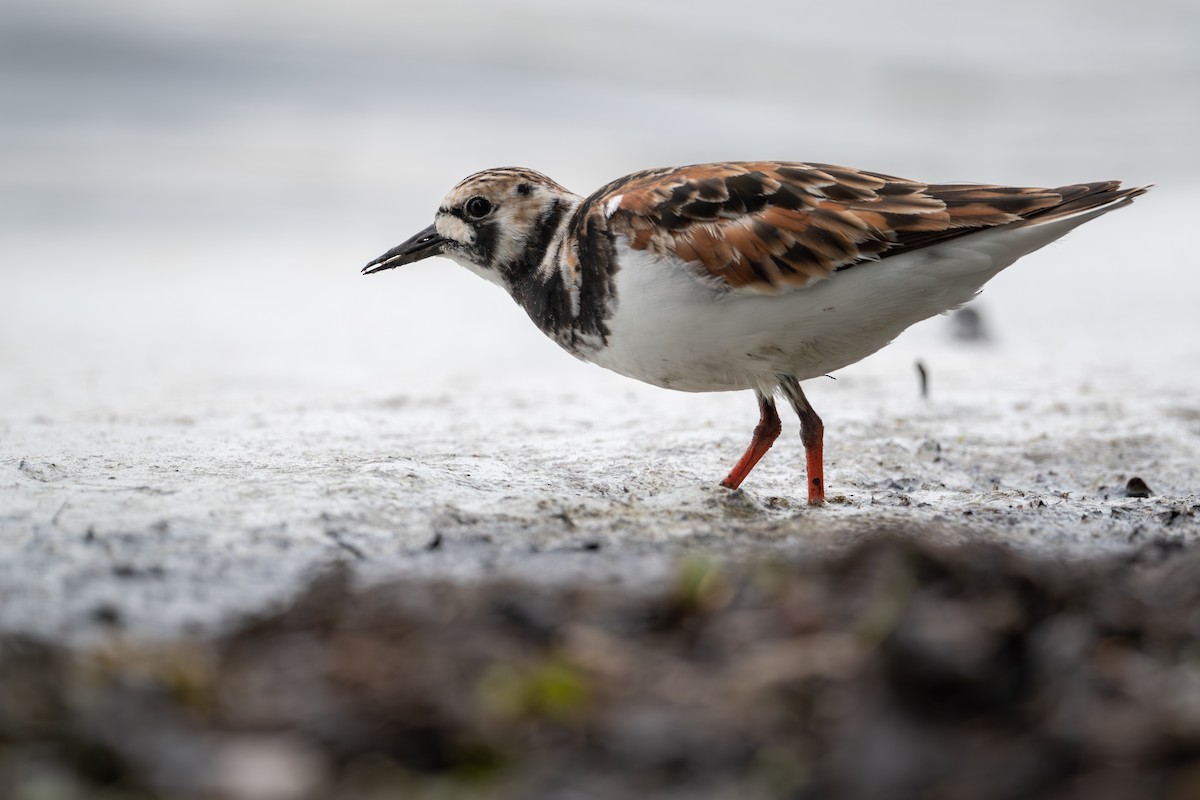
point(543, 297)
point(547, 228)
point(485, 243)
point(536, 245)
point(524, 189)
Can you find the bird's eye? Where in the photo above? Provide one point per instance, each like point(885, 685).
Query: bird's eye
point(478, 207)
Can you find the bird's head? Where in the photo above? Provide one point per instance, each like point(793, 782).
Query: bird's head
point(496, 223)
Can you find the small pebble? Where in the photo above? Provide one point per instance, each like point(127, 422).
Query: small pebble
point(1137, 488)
point(107, 615)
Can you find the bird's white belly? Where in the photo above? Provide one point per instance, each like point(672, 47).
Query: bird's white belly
point(671, 330)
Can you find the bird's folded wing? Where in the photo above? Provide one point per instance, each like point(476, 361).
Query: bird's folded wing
point(771, 226)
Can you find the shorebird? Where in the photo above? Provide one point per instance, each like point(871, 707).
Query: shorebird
point(743, 275)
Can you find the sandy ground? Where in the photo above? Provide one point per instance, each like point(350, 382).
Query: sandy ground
point(169, 512)
point(203, 403)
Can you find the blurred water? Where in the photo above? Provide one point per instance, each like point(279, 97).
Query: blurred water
point(188, 188)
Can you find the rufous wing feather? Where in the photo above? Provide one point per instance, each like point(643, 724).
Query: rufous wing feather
point(770, 226)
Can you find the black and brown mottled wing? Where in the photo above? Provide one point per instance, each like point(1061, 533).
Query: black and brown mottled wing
point(771, 226)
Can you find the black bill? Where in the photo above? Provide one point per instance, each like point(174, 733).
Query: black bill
point(425, 244)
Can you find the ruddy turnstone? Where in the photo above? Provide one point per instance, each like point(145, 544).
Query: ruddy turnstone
point(749, 275)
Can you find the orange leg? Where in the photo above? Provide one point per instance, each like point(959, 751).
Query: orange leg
point(812, 435)
point(765, 434)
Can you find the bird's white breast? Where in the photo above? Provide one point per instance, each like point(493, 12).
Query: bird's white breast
point(672, 330)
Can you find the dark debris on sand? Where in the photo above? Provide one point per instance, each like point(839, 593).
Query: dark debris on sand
point(898, 670)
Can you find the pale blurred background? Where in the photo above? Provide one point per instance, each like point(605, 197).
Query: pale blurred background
point(188, 187)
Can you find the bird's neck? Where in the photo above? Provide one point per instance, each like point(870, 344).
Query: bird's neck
point(563, 278)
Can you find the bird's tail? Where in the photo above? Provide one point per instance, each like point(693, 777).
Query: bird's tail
point(1086, 199)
